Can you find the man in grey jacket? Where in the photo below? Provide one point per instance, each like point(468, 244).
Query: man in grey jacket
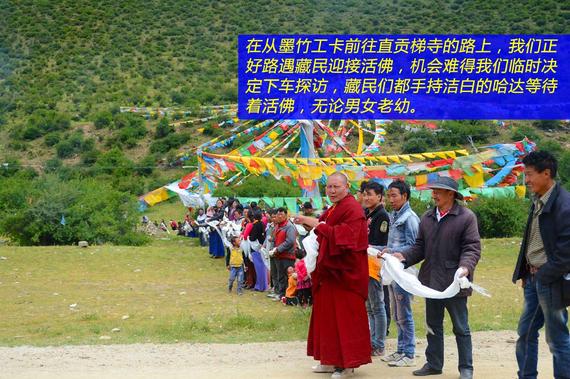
point(449, 244)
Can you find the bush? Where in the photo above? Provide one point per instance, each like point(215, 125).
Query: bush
point(31, 133)
point(64, 149)
point(93, 211)
point(547, 124)
point(456, 133)
point(170, 142)
point(523, 131)
point(103, 119)
point(258, 186)
point(74, 144)
point(146, 166)
point(551, 146)
point(48, 121)
point(163, 128)
point(415, 145)
point(114, 163)
point(53, 165)
point(123, 120)
point(89, 158)
point(500, 218)
point(52, 139)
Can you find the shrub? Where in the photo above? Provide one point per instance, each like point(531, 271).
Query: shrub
point(456, 133)
point(114, 163)
point(523, 131)
point(53, 165)
point(93, 211)
point(163, 128)
point(31, 133)
point(170, 142)
point(415, 145)
point(123, 120)
point(551, 146)
point(547, 124)
point(64, 149)
point(103, 119)
point(49, 121)
point(499, 218)
point(258, 186)
point(52, 139)
point(89, 157)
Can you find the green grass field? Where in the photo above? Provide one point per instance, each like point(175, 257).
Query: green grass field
point(172, 291)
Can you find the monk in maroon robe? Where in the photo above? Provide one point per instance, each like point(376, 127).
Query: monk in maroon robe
point(339, 336)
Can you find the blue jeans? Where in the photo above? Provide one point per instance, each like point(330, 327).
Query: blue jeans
point(457, 308)
point(236, 273)
point(376, 314)
point(402, 314)
point(538, 311)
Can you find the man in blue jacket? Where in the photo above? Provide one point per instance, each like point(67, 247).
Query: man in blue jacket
point(543, 266)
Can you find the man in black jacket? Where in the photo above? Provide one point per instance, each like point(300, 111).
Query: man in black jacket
point(378, 224)
point(449, 245)
point(542, 265)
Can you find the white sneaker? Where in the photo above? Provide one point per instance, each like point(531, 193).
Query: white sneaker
point(342, 373)
point(323, 368)
point(392, 357)
point(403, 362)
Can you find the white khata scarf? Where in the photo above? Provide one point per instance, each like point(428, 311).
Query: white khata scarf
point(393, 270)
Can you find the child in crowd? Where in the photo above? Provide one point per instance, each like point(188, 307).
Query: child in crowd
point(290, 297)
point(303, 281)
point(234, 264)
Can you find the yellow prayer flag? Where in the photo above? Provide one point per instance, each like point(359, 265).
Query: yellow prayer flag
point(474, 181)
point(441, 155)
point(520, 191)
point(421, 180)
point(156, 196)
point(360, 160)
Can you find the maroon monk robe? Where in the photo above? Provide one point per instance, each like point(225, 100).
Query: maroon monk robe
point(338, 333)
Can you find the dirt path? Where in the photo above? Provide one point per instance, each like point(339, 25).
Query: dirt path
point(494, 358)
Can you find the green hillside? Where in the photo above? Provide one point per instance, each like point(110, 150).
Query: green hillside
point(78, 57)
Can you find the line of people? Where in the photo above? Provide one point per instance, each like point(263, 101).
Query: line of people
point(265, 253)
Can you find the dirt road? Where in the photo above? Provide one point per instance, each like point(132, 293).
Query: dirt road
point(494, 355)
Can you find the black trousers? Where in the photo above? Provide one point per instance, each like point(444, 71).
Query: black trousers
point(273, 273)
point(282, 266)
point(457, 308)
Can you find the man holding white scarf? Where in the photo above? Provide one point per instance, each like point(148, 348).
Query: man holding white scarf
point(449, 244)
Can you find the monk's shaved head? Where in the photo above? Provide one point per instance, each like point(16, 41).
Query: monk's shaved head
point(337, 186)
point(340, 175)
